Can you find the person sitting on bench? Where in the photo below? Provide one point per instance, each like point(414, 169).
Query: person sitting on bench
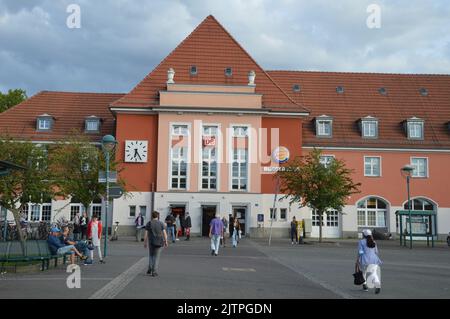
point(57, 246)
point(80, 245)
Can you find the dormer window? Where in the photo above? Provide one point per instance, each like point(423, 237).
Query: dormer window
point(229, 71)
point(324, 126)
point(423, 92)
point(193, 70)
point(296, 88)
point(369, 127)
point(44, 123)
point(92, 124)
point(340, 89)
point(415, 128)
point(382, 91)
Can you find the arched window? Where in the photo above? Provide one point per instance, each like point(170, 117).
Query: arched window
point(372, 212)
point(420, 204)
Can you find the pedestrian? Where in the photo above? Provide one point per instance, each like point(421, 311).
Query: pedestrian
point(231, 225)
point(155, 238)
point(94, 233)
point(187, 225)
point(177, 227)
point(215, 233)
point(225, 226)
point(294, 234)
point(369, 262)
point(139, 222)
point(170, 222)
point(84, 222)
point(236, 232)
point(76, 227)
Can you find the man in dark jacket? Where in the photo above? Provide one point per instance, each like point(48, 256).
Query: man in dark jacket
point(187, 225)
point(170, 222)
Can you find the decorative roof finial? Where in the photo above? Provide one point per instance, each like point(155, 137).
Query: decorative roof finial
point(251, 77)
point(170, 76)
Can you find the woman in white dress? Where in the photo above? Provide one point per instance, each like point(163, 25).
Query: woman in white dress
point(95, 234)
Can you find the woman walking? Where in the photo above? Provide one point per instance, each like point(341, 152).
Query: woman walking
point(369, 262)
point(236, 231)
point(95, 234)
point(84, 221)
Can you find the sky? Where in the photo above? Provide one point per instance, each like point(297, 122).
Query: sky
point(120, 41)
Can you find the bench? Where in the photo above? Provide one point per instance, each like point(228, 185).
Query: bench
point(35, 250)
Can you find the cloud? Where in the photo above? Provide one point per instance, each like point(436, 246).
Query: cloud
point(122, 41)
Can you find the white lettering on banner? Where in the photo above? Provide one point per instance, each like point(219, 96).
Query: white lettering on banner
point(374, 19)
point(74, 279)
point(209, 141)
point(74, 19)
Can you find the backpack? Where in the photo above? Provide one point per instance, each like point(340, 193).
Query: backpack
point(155, 231)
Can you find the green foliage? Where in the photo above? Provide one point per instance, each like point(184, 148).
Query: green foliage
point(76, 163)
point(31, 184)
point(309, 183)
point(13, 97)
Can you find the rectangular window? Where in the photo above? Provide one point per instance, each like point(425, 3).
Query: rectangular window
point(46, 212)
point(239, 169)
point(35, 212)
point(240, 131)
point(283, 214)
point(315, 219)
point(324, 127)
point(210, 130)
point(132, 212)
point(97, 210)
point(92, 126)
point(371, 218)
point(44, 124)
point(381, 219)
point(332, 218)
point(326, 160)
point(179, 168)
point(180, 130)
point(74, 209)
point(143, 210)
point(369, 128)
point(273, 214)
point(209, 168)
point(361, 218)
point(372, 166)
point(415, 130)
point(420, 167)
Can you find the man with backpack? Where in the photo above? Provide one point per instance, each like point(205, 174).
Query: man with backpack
point(155, 238)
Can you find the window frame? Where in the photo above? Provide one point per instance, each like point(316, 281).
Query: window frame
point(368, 121)
point(372, 167)
point(182, 157)
point(129, 211)
point(240, 160)
point(333, 157)
point(44, 119)
point(413, 123)
point(427, 174)
point(320, 120)
point(91, 120)
point(376, 211)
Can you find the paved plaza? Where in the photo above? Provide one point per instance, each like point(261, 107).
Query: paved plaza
point(253, 270)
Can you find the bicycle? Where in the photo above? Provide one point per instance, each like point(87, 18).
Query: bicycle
point(115, 231)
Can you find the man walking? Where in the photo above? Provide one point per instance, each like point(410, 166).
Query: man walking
point(139, 222)
point(215, 233)
point(170, 222)
point(225, 226)
point(155, 238)
point(187, 225)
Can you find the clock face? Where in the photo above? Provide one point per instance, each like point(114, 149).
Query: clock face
point(136, 151)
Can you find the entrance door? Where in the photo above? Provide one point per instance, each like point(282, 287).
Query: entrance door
point(208, 213)
point(240, 213)
point(330, 225)
point(178, 210)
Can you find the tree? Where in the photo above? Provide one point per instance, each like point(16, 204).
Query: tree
point(76, 163)
point(310, 183)
point(22, 186)
point(13, 97)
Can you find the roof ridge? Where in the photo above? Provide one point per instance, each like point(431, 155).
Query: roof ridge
point(352, 72)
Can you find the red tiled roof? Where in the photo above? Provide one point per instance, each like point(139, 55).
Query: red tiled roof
point(212, 49)
point(361, 98)
point(68, 109)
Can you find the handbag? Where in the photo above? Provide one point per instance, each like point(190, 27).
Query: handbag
point(358, 278)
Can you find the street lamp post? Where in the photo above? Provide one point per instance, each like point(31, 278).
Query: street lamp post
point(407, 172)
point(108, 144)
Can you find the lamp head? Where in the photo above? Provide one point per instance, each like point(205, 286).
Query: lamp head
point(108, 142)
point(407, 170)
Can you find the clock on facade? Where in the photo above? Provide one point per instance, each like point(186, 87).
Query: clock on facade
point(136, 151)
